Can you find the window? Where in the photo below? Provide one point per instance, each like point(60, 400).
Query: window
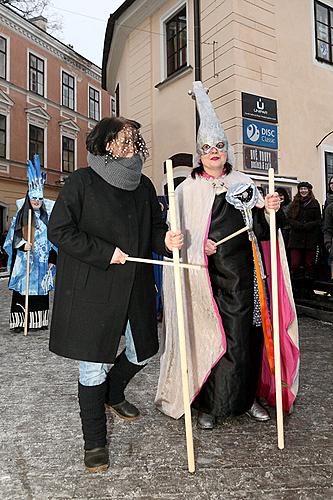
point(324, 32)
point(3, 127)
point(328, 167)
point(68, 154)
point(68, 90)
point(93, 104)
point(36, 143)
point(113, 106)
point(36, 74)
point(176, 42)
point(117, 98)
point(3, 57)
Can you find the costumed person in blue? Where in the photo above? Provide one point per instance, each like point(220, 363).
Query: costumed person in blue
point(42, 254)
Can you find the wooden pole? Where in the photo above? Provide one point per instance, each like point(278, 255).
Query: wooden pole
point(232, 235)
point(181, 323)
point(167, 263)
point(275, 311)
point(26, 307)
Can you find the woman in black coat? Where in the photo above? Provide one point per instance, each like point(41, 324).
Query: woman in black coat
point(103, 214)
point(305, 233)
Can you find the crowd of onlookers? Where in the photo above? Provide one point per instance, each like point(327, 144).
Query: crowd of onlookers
point(307, 231)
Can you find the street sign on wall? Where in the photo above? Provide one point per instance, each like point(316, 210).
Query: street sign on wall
point(260, 159)
point(260, 134)
point(258, 107)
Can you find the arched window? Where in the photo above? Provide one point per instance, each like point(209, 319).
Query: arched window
point(182, 164)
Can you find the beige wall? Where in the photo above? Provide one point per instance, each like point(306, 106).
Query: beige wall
point(305, 95)
point(263, 47)
point(167, 114)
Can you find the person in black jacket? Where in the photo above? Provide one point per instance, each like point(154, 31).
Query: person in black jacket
point(103, 214)
point(304, 217)
point(284, 207)
point(329, 195)
point(328, 235)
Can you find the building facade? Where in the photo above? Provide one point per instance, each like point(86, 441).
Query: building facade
point(268, 65)
point(50, 97)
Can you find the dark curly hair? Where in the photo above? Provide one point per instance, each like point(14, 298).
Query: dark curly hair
point(284, 192)
point(105, 131)
point(199, 170)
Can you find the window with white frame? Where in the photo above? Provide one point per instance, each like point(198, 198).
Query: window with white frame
point(3, 57)
point(113, 106)
point(3, 131)
point(328, 167)
point(36, 143)
point(36, 75)
point(176, 41)
point(324, 32)
point(68, 154)
point(94, 104)
point(68, 90)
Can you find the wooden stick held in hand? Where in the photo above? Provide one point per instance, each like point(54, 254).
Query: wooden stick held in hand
point(275, 311)
point(232, 235)
point(26, 306)
point(167, 263)
point(181, 323)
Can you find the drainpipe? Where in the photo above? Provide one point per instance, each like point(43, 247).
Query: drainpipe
point(197, 48)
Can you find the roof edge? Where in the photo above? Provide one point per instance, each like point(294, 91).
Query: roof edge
point(109, 35)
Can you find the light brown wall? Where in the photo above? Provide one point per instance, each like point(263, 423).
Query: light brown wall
point(264, 47)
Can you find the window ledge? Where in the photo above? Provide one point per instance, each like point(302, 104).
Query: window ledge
point(175, 76)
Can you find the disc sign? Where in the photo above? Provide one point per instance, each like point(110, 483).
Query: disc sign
point(263, 135)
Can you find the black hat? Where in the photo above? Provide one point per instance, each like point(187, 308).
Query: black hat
point(304, 184)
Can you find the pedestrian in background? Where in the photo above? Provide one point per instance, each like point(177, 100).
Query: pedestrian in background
point(3, 255)
point(304, 217)
point(284, 207)
point(329, 195)
point(328, 235)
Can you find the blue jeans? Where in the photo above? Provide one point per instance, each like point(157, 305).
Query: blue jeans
point(96, 373)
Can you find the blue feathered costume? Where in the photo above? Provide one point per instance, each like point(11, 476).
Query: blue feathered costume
point(43, 253)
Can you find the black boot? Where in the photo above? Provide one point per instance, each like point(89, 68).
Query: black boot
point(118, 378)
point(92, 412)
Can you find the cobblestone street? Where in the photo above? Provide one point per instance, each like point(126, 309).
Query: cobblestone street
point(42, 448)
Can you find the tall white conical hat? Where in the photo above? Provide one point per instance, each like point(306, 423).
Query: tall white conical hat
point(210, 130)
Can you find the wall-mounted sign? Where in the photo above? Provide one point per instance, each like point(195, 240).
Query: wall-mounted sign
point(260, 159)
point(262, 108)
point(260, 134)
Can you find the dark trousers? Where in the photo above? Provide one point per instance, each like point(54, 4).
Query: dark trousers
point(303, 257)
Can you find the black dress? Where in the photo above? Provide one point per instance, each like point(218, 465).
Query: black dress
point(231, 387)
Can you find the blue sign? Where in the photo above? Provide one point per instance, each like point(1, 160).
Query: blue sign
point(259, 134)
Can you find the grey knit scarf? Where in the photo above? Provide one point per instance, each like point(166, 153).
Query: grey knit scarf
point(123, 173)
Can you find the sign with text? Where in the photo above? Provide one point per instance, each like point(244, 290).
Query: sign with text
point(261, 108)
point(260, 159)
point(260, 134)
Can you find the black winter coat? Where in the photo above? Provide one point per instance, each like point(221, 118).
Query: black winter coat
point(305, 229)
point(93, 299)
point(328, 228)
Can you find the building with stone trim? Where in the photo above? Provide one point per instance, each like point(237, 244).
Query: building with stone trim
point(277, 49)
point(50, 97)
